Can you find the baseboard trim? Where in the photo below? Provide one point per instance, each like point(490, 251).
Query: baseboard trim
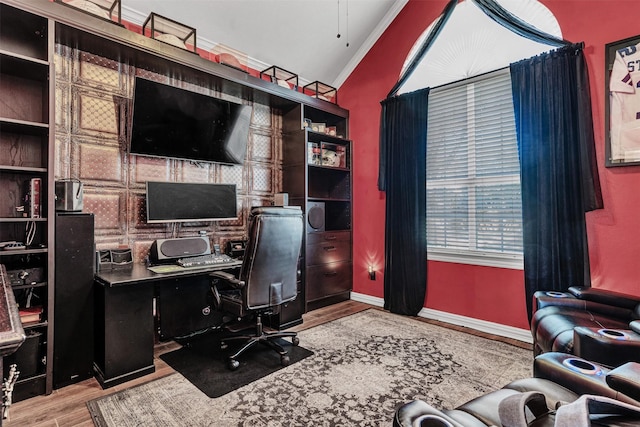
point(519, 334)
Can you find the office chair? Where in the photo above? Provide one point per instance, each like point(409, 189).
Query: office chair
point(267, 280)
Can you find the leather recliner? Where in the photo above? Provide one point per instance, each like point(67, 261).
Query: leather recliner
point(595, 324)
point(559, 377)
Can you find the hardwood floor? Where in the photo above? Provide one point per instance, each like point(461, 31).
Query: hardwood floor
point(67, 406)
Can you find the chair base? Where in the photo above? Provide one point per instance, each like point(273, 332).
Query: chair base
point(260, 336)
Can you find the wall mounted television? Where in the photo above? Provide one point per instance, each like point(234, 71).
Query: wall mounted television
point(190, 202)
point(178, 123)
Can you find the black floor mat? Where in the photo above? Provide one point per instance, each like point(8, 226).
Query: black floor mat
point(203, 363)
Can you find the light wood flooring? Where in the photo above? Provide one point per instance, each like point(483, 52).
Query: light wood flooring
point(67, 406)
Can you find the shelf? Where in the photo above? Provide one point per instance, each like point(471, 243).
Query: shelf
point(35, 325)
point(29, 379)
point(332, 168)
point(23, 66)
point(23, 252)
point(327, 199)
point(22, 219)
point(7, 55)
point(23, 126)
point(22, 169)
point(34, 285)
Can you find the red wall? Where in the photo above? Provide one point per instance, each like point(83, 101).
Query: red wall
point(492, 294)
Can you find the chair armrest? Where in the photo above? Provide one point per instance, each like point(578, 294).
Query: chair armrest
point(626, 379)
point(227, 277)
point(608, 346)
point(605, 296)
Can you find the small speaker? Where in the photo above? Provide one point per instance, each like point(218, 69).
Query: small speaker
point(168, 249)
point(315, 216)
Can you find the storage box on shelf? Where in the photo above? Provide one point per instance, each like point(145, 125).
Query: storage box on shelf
point(25, 141)
point(281, 77)
point(321, 91)
point(169, 31)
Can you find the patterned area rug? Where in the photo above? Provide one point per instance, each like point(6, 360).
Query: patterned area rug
point(363, 367)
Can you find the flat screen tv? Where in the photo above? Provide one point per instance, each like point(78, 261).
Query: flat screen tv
point(190, 202)
point(178, 123)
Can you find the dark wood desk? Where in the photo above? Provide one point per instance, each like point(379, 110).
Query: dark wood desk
point(124, 317)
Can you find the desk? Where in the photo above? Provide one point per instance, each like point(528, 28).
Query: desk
point(124, 318)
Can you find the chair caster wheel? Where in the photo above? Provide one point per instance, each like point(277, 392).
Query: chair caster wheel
point(284, 360)
point(233, 364)
point(295, 340)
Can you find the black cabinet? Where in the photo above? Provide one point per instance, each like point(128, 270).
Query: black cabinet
point(124, 332)
point(73, 307)
point(184, 306)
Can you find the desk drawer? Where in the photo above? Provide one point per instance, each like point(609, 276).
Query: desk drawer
point(328, 279)
point(330, 251)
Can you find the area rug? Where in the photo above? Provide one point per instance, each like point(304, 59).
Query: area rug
point(364, 365)
point(205, 365)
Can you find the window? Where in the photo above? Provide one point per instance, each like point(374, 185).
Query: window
point(474, 208)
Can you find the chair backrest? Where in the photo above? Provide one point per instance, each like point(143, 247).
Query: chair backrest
point(270, 265)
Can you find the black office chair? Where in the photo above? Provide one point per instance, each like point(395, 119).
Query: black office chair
point(267, 279)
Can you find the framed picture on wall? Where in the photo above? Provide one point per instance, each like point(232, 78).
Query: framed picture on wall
point(622, 103)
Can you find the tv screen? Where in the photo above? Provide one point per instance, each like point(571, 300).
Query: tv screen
point(173, 122)
point(189, 202)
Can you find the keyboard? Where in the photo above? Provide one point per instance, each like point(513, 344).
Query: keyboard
point(205, 260)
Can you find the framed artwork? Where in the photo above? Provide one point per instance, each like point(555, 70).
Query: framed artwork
point(622, 102)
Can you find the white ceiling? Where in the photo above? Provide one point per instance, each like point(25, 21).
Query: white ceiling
point(297, 35)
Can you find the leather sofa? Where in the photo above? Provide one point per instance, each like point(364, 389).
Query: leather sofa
point(595, 324)
point(560, 377)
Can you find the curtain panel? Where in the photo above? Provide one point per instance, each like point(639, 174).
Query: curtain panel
point(402, 175)
point(559, 175)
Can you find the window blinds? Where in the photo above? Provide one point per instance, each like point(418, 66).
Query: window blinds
point(473, 172)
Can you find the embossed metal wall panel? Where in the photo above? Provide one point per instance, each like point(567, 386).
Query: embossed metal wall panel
point(94, 100)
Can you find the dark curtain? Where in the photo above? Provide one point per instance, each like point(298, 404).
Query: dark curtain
point(558, 167)
point(403, 143)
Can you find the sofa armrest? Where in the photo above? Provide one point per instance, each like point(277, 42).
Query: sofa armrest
point(626, 379)
point(610, 347)
point(605, 296)
point(577, 374)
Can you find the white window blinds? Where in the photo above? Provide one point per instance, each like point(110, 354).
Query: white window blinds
point(474, 209)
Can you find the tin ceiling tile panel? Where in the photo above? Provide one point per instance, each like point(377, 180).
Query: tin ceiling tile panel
point(62, 60)
point(100, 73)
point(233, 175)
point(63, 108)
point(261, 146)
point(109, 209)
point(261, 116)
point(194, 171)
point(144, 169)
point(261, 178)
point(95, 114)
point(62, 160)
point(99, 162)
